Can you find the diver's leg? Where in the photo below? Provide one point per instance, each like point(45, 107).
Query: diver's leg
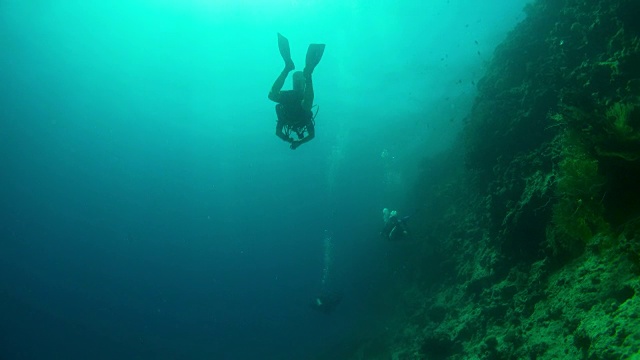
point(283, 46)
point(279, 83)
point(314, 54)
point(307, 101)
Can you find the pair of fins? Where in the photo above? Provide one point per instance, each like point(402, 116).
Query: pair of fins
point(314, 54)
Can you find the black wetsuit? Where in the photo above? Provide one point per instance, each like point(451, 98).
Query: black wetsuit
point(292, 115)
point(394, 228)
point(326, 303)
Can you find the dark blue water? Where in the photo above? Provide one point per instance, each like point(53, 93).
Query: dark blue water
point(149, 212)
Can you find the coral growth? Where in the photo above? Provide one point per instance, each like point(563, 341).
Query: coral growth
point(537, 237)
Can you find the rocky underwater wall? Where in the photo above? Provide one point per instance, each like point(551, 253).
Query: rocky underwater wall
point(534, 240)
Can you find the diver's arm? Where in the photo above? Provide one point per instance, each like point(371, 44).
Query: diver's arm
point(281, 134)
point(402, 227)
point(311, 133)
point(307, 100)
point(274, 94)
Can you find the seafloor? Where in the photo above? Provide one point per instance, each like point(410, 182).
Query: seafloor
point(530, 248)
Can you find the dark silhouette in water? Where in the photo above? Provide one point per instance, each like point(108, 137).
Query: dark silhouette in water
point(294, 106)
point(326, 303)
point(394, 226)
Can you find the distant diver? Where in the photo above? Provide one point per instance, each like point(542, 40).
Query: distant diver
point(326, 303)
point(294, 106)
point(394, 226)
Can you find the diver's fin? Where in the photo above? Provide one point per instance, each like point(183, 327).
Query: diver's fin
point(285, 52)
point(314, 54)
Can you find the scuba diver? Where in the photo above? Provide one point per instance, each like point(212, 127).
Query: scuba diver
point(326, 303)
point(394, 226)
point(294, 106)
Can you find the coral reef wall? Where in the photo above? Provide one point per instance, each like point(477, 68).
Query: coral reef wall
point(534, 240)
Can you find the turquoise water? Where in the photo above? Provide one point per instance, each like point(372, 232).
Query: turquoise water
point(149, 210)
